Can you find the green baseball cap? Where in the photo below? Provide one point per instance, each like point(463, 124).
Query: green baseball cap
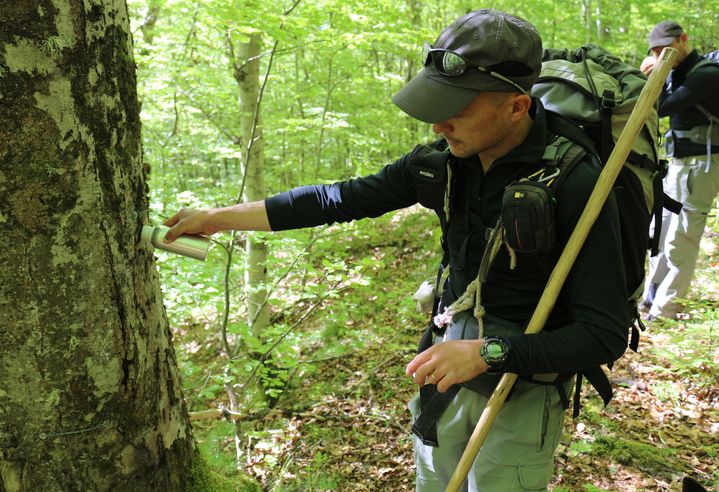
point(501, 53)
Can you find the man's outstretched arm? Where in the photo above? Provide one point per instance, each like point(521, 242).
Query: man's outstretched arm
point(242, 217)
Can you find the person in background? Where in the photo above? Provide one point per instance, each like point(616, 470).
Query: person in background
point(689, 100)
point(474, 90)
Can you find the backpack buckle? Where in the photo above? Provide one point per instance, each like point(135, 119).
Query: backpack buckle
point(608, 100)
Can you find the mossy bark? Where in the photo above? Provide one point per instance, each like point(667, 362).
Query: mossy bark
point(90, 395)
point(200, 478)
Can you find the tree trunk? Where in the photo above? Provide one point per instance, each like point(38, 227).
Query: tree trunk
point(248, 79)
point(587, 20)
point(148, 24)
point(90, 395)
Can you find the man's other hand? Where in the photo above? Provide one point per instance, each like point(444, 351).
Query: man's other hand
point(648, 65)
point(447, 363)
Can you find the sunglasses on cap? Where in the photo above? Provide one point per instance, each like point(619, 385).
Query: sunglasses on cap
point(452, 64)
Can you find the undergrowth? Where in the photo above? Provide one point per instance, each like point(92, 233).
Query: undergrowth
point(337, 418)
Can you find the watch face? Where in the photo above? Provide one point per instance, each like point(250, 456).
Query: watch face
point(495, 350)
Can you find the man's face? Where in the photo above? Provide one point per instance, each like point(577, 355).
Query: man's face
point(480, 127)
point(679, 44)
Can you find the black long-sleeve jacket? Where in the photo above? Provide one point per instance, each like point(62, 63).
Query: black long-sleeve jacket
point(682, 92)
point(588, 326)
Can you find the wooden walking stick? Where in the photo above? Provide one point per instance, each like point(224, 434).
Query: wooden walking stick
point(604, 185)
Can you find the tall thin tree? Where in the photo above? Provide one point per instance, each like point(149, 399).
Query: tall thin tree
point(247, 74)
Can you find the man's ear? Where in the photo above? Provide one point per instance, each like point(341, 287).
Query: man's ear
point(520, 106)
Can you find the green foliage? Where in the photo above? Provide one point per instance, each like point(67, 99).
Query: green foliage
point(319, 477)
point(657, 461)
point(205, 477)
point(687, 345)
point(326, 115)
point(579, 447)
point(591, 488)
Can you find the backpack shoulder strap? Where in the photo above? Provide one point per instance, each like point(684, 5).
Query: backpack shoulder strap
point(563, 126)
point(712, 119)
point(572, 145)
point(705, 62)
point(568, 149)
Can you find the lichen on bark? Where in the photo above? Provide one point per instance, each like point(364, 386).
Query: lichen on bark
point(90, 391)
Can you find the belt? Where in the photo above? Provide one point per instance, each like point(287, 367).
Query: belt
point(699, 134)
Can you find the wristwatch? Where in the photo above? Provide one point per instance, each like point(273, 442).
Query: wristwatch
point(494, 352)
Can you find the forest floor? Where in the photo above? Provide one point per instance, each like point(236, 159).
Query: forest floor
point(345, 425)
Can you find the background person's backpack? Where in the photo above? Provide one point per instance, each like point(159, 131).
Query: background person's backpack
point(713, 56)
point(703, 133)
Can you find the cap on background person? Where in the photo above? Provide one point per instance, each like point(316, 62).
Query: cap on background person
point(664, 34)
point(485, 50)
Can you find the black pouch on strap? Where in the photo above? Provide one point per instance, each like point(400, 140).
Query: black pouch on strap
point(528, 217)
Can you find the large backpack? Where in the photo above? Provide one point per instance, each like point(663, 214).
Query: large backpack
point(597, 91)
point(594, 89)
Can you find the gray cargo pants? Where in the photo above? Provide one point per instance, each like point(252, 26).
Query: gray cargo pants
point(518, 454)
point(695, 184)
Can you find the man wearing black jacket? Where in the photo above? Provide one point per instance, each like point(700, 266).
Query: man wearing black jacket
point(689, 100)
point(474, 91)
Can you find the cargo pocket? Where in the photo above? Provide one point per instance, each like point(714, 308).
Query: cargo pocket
point(691, 172)
point(535, 477)
point(545, 420)
point(702, 185)
point(540, 423)
point(552, 419)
